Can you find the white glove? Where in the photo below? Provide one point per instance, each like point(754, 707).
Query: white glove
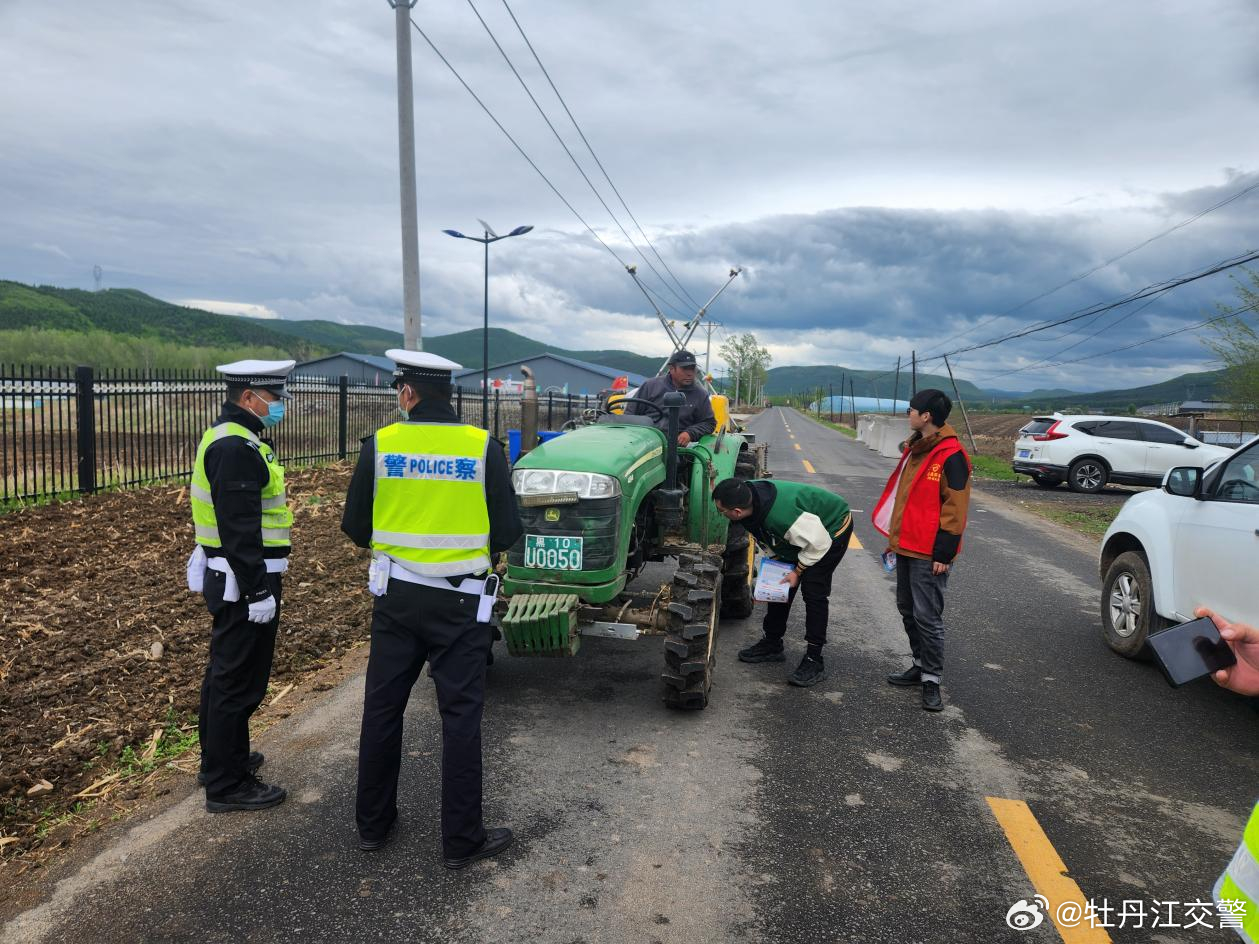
point(263, 611)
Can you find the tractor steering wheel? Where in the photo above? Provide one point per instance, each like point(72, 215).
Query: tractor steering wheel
point(660, 410)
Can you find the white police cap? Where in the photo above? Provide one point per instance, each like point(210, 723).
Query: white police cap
point(421, 366)
point(265, 375)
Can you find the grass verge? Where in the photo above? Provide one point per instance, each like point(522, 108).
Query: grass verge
point(990, 467)
point(838, 427)
point(1090, 521)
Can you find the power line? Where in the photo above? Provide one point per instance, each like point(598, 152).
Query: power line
point(1156, 289)
point(515, 144)
point(598, 162)
point(1101, 265)
point(541, 111)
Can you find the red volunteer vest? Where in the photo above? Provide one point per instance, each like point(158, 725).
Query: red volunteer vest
point(921, 520)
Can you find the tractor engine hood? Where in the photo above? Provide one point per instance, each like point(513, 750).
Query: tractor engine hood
point(606, 449)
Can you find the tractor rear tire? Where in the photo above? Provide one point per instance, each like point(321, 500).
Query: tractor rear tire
point(736, 574)
point(690, 649)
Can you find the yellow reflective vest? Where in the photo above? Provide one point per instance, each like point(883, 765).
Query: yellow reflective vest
point(277, 519)
point(429, 512)
point(1237, 891)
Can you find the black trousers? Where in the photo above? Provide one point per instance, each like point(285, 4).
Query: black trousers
point(815, 587)
point(920, 600)
point(412, 624)
point(235, 682)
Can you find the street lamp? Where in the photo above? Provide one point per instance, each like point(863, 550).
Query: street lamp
point(489, 237)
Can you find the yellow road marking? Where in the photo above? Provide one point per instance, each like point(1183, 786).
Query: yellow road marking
point(797, 445)
point(854, 542)
point(1046, 870)
point(808, 466)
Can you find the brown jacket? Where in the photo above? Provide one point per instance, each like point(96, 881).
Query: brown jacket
point(954, 497)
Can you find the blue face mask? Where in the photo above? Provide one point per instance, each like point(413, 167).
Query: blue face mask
point(275, 413)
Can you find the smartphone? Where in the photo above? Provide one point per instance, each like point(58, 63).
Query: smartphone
point(1191, 650)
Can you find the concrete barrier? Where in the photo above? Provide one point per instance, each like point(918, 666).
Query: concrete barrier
point(883, 433)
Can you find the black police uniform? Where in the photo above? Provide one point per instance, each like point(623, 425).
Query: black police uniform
point(240, 651)
point(413, 624)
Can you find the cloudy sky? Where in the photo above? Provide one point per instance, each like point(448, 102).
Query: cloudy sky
point(889, 174)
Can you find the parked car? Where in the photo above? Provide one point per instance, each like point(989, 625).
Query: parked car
point(1087, 452)
point(1194, 542)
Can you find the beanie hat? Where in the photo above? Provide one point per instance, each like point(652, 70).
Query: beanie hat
point(935, 402)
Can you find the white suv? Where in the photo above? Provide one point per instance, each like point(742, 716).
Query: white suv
point(1192, 543)
point(1088, 451)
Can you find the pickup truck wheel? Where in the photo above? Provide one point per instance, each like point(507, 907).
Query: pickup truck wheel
point(1087, 476)
point(1128, 615)
point(1046, 481)
point(690, 649)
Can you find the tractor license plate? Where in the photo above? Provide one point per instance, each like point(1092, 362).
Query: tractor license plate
point(551, 552)
point(1024, 453)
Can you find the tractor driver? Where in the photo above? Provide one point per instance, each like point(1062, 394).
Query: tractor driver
point(696, 417)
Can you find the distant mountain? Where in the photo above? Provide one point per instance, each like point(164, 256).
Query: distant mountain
point(130, 313)
point(168, 329)
point(865, 383)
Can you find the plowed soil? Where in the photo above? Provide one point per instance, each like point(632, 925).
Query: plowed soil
point(87, 588)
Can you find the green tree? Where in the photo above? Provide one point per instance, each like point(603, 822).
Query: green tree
point(749, 365)
point(1236, 343)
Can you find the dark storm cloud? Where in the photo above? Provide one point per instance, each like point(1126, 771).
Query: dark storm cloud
point(889, 173)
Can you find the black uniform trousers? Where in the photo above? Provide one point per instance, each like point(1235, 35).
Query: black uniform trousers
point(413, 624)
point(235, 683)
point(815, 586)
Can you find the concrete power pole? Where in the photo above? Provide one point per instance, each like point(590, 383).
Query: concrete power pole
point(708, 347)
point(411, 336)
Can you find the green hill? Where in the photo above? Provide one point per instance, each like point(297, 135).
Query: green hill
point(865, 383)
point(125, 327)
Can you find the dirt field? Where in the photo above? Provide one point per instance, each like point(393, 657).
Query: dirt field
point(102, 647)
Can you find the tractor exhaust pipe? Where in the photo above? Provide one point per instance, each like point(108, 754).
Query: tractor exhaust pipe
point(528, 412)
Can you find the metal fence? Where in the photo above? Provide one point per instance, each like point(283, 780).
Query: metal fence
point(65, 430)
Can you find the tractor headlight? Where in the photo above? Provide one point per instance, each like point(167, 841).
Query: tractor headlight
point(547, 482)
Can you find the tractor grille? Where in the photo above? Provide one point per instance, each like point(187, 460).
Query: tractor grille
point(594, 520)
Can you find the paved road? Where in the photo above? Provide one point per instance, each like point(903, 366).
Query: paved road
point(838, 813)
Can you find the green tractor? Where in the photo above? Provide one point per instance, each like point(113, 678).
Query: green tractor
point(600, 502)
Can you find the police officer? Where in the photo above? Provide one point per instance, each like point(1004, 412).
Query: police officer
point(432, 498)
point(242, 523)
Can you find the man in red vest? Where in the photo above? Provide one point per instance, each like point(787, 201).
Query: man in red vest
point(923, 514)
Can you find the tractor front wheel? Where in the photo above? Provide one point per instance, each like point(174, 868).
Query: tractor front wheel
point(690, 649)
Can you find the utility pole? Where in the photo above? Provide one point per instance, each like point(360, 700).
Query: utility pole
point(830, 401)
point(708, 347)
point(962, 403)
point(411, 336)
point(914, 381)
point(896, 389)
point(852, 397)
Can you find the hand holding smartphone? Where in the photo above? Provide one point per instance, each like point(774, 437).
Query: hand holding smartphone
point(1190, 650)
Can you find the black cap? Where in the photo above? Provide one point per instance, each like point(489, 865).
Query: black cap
point(935, 402)
point(682, 358)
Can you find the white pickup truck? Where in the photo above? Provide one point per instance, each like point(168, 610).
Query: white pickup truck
point(1194, 542)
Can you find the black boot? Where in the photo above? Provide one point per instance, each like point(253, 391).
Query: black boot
point(251, 795)
point(911, 676)
point(931, 700)
point(255, 761)
point(496, 840)
point(809, 672)
point(767, 650)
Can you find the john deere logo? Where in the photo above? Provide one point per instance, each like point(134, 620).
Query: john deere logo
point(552, 514)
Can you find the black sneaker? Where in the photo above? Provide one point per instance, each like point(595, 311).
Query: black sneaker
point(810, 671)
point(496, 840)
point(255, 761)
point(911, 676)
point(251, 795)
point(767, 650)
point(931, 700)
